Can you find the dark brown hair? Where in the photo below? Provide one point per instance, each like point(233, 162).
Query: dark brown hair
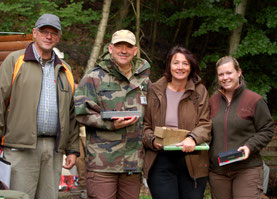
point(194, 65)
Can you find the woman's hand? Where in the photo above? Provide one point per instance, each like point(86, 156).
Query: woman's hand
point(157, 145)
point(188, 145)
point(245, 150)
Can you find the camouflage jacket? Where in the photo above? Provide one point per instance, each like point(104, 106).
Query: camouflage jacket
point(105, 88)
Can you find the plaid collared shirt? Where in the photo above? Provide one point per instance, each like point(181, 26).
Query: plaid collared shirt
point(47, 114)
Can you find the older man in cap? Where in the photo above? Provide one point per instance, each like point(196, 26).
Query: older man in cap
point(37, 117)
point(110, 101)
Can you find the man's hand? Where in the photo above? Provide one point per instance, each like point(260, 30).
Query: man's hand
point(121, 122)
point(245, 150)
point(70, 161)
point(188, 145)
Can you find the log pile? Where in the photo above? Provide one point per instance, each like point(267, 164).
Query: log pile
point(12, 43)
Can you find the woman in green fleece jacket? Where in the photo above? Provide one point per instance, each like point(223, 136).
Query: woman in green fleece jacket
point(241, 121)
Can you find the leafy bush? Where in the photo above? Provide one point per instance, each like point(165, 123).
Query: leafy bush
point(17, 17)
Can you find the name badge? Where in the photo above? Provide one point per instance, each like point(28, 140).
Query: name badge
point(143, 100)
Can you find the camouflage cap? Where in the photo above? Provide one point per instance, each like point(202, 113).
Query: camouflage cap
point(124, 36)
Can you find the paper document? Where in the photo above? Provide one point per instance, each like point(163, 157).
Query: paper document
point(5, 171)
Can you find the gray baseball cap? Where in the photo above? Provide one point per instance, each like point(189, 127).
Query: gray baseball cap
point(48, 20)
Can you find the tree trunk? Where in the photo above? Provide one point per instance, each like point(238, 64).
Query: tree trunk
point(236, 34)
point(100, 34)
point(177, 31)
point(154, 34)
point(138, 28)
point(179, 24)
point(189, 31)
point(124, 9)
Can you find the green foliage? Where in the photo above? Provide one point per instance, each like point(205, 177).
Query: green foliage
point(260, 73)
point(256, 42)
point(221, 18)
point(268, 16)
point(212, 15)
point(17, 17)
point(69, 13)
point(211, 58)
point(237, 2)
point(257, 49)
point(259, 83)
point(212, 22)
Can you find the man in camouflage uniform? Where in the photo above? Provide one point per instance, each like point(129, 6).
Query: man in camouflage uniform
point(118, 82)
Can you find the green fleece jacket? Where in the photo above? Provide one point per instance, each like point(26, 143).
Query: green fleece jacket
point(245, 121)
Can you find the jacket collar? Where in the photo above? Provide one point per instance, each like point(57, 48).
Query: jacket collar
point(29, 55)
point(160, 86)
point(139, 66)
point(237, 91)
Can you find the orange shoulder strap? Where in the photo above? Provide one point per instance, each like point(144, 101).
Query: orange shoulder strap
point(69, 77)
point(17, 66)
point(20, 61)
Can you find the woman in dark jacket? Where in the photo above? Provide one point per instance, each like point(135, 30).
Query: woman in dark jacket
point(177, 100)
point(241, 121)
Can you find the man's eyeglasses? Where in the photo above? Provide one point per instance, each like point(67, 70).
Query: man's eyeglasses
point(46, 33)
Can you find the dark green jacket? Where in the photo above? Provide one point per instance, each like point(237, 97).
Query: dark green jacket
point(245, 121)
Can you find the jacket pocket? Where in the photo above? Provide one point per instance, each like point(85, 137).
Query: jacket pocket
point(106, 89)
point(111, 96)
point(63, 83)
point(107, 136)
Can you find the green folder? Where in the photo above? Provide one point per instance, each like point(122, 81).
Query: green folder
point(173, 147)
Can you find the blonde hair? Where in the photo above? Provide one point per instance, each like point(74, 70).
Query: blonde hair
point(224, 60)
